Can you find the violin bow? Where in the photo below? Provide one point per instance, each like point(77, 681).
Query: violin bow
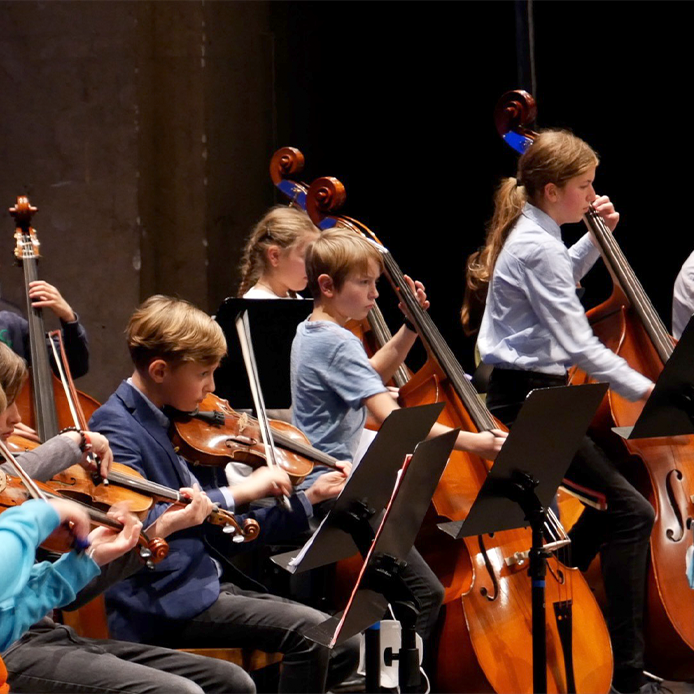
point(80, 421)
point(243, 328)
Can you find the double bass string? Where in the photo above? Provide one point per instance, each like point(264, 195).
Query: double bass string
point(631, 285)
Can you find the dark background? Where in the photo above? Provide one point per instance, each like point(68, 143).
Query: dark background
point(398, 100)
point(143, 132)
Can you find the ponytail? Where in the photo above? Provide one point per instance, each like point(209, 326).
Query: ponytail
point(556, 156)
point(509, 200)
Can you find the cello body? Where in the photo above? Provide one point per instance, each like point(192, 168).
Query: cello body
point(662, 469)
point(487, 619)
point(62, 406)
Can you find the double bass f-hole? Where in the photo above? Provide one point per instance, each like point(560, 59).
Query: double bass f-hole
point(678, 500)
point(484, 591)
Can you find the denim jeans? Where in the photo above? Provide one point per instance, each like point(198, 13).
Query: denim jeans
point(620, 533)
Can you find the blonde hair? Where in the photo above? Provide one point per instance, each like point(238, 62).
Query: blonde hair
point(338, 253)
point(173, 330)
point(556, 156)
point(13, 375)
point(282, 227)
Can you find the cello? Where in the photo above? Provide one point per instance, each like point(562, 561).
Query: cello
point(483, 645)
point(41, 406)
point(662, 469)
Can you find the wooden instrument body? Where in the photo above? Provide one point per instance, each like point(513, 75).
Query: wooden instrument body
point(662, 469)
point(25, 404)
point(484, 644)
point(238, 439)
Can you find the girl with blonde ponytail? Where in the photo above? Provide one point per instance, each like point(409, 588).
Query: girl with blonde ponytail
point(272, 266)
point(533, 327)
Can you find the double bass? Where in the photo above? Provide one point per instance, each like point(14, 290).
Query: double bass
point(484, 642)
point(662, 469)
point(42, 403)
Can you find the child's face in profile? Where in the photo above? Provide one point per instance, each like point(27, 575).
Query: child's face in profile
point(291, 265)
point(358, 294)
point(8, 419)
point(185, 385)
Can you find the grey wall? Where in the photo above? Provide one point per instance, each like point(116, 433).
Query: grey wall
point(142, 132)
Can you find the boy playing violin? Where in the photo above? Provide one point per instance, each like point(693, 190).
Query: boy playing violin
point(50, 657)
point(185, 602)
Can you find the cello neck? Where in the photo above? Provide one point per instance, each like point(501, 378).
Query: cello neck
point(437, 347)
point(27, 254)
point(382, 333)
point(623, 275)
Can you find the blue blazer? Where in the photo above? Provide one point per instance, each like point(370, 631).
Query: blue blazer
point(185, 583)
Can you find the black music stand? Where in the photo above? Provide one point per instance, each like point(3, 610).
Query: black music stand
point(669, 411)
point(524, 480)
point(380, 582)
point(274, 324)
point(366, 493)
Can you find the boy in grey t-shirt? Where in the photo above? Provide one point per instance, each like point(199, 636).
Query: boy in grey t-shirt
point(334, 382)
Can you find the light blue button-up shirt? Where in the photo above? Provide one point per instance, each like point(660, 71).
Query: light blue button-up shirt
point(683, 297)
point(533, 320)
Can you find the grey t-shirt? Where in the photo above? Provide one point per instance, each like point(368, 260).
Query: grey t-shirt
point(331, 376)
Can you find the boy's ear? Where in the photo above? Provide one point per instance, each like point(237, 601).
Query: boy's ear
point(273, 255)
point(327, 286)
point(551, 192)
point(157, 370)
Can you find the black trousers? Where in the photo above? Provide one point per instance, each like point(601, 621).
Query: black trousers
point(620, 534)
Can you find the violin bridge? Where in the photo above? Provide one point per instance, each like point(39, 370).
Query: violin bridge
point(243, 422)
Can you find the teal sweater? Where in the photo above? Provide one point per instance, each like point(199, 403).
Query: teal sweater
point(28, 590)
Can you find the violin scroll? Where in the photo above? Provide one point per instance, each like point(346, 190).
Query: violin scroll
point(513, 113)
point(157, 548)
point(249, 531)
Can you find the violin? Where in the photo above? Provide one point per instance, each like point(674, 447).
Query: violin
point(483, 645)
point(41, 405)
point(373, 331)
point(16, 490)
point(126, 484)
point(215, 435)
point(661, 469)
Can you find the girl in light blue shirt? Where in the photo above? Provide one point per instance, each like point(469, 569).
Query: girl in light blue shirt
point(533, 329)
